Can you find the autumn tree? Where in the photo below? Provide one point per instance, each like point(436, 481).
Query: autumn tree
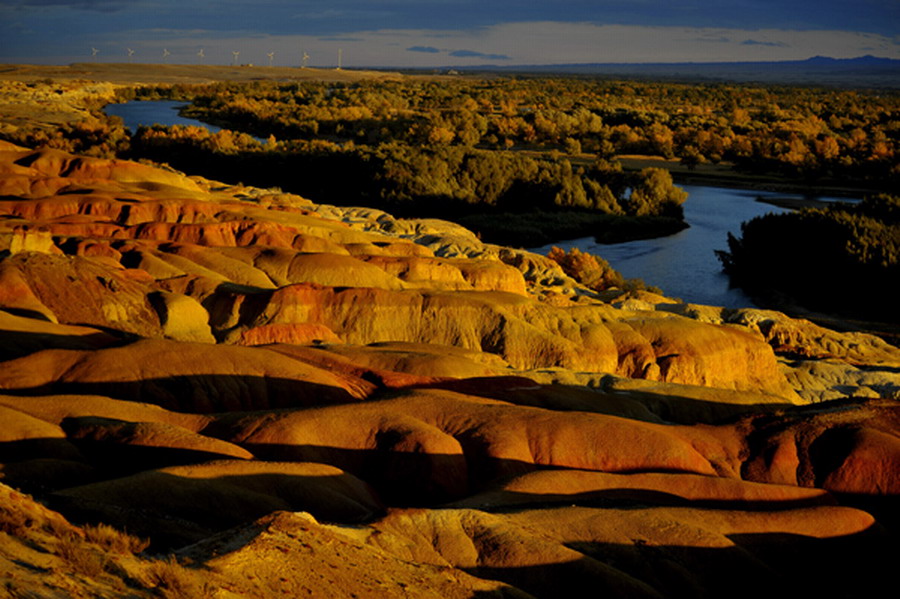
point(654, 193)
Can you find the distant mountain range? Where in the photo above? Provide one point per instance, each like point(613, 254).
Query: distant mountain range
point(863, 71)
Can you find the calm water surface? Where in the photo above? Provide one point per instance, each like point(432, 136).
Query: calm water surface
point(162, 112)
point(683, 265)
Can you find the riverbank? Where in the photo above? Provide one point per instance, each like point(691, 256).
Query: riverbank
point(724, 175)
point(529, 229)
point(838, 262)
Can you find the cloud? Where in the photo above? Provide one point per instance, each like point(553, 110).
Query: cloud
point(715, 40)
point(426, 49)
point(764, 43)
point(65, 37)
point(554, 42)
point(474, 54)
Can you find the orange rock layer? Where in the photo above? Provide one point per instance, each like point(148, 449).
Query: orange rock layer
point(200, 363)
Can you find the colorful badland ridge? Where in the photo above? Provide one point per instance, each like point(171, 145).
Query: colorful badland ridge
point(303, 399)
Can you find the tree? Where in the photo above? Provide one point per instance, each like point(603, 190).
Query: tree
point(572, 145)
point(691, 157)
point(591, 271)
point(654, 193)
point(440, 135)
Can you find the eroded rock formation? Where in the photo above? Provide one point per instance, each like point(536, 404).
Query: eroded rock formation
point(309, 399)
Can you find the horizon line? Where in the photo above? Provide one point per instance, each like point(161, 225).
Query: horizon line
point(457, 66)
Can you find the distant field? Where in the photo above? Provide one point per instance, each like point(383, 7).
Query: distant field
point(176, 73)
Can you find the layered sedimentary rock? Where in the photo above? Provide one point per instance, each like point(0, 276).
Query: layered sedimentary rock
point(392, 408)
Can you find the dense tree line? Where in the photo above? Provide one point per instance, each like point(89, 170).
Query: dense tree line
point(811, 134)
point(100, 136)
point(429, 180)
point(842, 259)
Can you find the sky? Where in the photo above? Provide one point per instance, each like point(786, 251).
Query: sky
point(440, 33)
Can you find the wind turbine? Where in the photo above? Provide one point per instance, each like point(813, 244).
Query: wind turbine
point(166, 54)
point(305, 59)
point(271, 56)
point(94, 52)
point(200, 54)
point(235, 55)
point(130, 54)
point(340, 58)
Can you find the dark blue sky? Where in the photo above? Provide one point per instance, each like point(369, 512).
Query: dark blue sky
point(442, 32)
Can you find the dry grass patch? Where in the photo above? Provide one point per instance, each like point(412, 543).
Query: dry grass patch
point(171, 580)
point(114, 540)
point(81, 557)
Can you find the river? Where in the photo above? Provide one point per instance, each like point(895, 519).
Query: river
point(162, 112)
point(683, 265)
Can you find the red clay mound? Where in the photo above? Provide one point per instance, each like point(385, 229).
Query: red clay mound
point(189, 377)
point(429, 445)
point(848, 449)
point(77, 290)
